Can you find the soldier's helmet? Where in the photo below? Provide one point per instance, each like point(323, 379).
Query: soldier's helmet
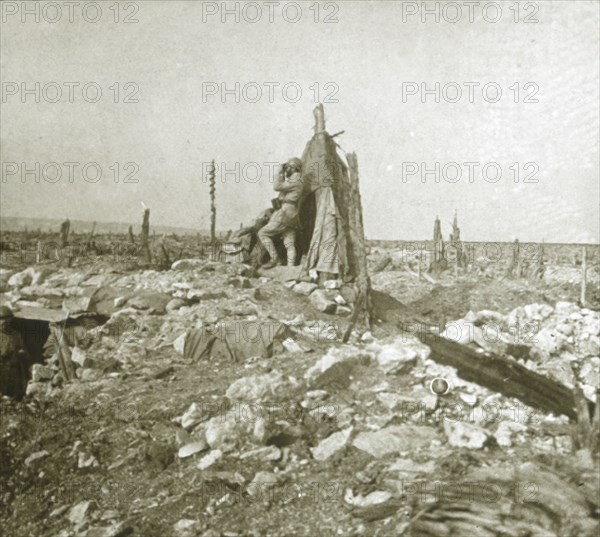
point(295, 163)
point(5, 312)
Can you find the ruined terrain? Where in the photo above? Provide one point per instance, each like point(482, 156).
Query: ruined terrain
point(211, 399)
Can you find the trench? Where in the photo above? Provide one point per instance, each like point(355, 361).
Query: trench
point(39, 347)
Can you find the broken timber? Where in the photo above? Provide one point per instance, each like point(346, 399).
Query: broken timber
point(503, 375)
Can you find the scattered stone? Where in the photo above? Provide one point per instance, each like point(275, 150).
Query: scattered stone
point(304, 288)
point(186, 527)
point(191, 449)
point(179, 343)
point(261, 482)
point(374, 498)
point(265, 453)
point(467, 435)
point(41, 372)
point(335, 367)
point(154, 302)
point(192, 417)
point(36, 456)
point(196, 295)
point(343, 311)
point(209, 459)
point(339, 299)
point(291, 345)
point(240, 282)
point(321, 302)
point(395, 439)
point(331, 445)
point(78, 512)
point(270, 387)
point(86, 461)
point(332, 284)
point(396, 359)
point(174, 304)
point(187, 264)
point(79, 356)
point(505, 430)
point(119, 302)
point(224, 432)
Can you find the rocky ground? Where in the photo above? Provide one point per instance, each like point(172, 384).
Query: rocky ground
point(279, 429)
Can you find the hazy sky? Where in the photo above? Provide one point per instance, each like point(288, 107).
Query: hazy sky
point(171, 56)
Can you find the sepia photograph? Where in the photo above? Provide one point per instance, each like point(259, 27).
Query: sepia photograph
point(300, 268)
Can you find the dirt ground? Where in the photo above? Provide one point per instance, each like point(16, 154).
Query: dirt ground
point(100, 457)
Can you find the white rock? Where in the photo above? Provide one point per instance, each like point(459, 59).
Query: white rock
point(209, 459)
point(467, 435)
point(304, 288)
point(179, 343)
point(396, 359)
point(190, 449)
point(331, 445)
point(192, 417)
point(394, 439)
point(374, 498)
point(41, 372)
point(505, 430)
point(78, 512)
point(36, 456)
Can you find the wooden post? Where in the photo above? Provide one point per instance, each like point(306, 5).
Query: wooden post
point(145, 234)
point(92, 232)
point(38, 251)
point(131, 238)
point(358, 237)
point(583, 274)
point(65, 227)
point(62, 352)
point(213, 207)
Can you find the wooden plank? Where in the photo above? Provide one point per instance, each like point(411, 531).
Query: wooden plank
point(503, 375)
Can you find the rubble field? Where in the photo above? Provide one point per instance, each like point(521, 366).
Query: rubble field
point(215, 400)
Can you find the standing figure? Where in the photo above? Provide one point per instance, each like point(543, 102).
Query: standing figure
point(284, 221)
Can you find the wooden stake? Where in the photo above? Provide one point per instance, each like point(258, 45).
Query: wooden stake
point(145, 234)
point(583, 275)
point(358, 235)
point(213, 206)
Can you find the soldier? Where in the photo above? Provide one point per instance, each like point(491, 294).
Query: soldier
point(248, 237)
point(285, 219)
point(13, 357)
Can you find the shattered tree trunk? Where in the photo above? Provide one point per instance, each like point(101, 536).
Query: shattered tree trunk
point(65, 228)
point(92, 232)
point(145, 235)
point(503, 375)
point(357, 234)
point(131, 237)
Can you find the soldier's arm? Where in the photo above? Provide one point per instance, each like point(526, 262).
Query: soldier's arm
point(288, 186)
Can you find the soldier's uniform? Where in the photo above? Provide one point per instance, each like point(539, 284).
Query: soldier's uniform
point(284, 221)
point(13, 358)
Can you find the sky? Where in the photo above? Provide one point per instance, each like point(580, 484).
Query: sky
point(369, 64)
